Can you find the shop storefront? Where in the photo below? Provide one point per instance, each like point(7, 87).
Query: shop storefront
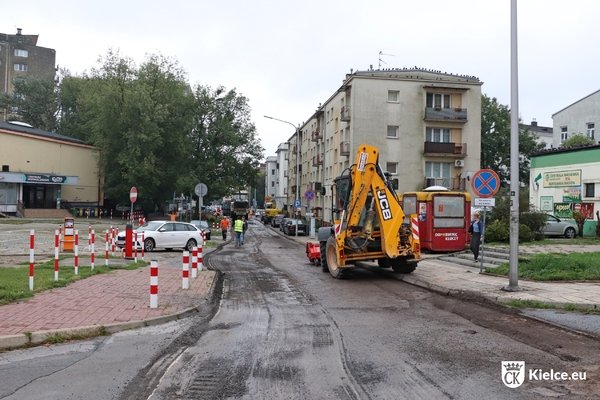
point(32, 190)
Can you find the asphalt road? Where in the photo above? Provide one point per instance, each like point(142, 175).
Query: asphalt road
point(278, 327)
point(285, 329)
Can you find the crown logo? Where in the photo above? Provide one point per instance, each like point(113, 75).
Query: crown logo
point(512, 367)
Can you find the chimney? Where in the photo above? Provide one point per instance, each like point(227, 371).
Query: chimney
point(534, 122)
point(19, 31)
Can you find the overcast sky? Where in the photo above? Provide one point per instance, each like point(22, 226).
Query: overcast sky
point(287, 57)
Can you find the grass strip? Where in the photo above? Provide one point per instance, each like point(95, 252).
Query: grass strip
point(556, 267)
point(14, 282)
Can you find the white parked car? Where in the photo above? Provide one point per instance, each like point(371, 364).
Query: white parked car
point(166, 234)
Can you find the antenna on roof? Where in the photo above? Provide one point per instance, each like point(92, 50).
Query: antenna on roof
point(381, 53)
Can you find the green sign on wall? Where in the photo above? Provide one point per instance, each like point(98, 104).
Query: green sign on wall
point(563, 210)
point(572, 194)
point(547, 204)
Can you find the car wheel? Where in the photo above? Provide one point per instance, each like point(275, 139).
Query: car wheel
point(569, 233)
point(190, 245)
point(149, 244)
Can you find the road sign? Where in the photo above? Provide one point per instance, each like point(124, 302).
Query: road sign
point(309, 195)
point(133, 194)
point(490, 202)
point(200, 190)
point(297, 204)
point(485, 183)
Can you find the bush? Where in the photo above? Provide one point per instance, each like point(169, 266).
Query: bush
point(497, 231)
point(535, 221)
point(525, 234)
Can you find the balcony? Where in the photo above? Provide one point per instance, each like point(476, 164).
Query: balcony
point(446, 114)
point(445, 149)
point(293, 189)
point(316, 135)
point(318, 160)
point(298, 169)
point(344, 148)
point(449, 183)
point(345, 113)
point(294, 149)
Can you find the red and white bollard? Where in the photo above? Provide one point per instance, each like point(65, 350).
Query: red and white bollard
point(31, 257)
point(89, 246)
point(76, 251)
point(112, 240)
point(135, 246)
point(93, 250)
point(56, 246)
point(106, 249)
point(153, 284)
point(195, 262)
point(185, 284)
point(204, 237)
point(200, 259)
point(142, 244)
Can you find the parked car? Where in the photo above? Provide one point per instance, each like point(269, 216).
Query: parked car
point(556, 227)
point(165, 234)
point(203, 226)
point(276, 221)
point(289, 228)
point(282, 223)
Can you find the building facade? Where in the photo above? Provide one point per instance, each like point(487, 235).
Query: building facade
point(426, 125)
point(20, 56)
point(583, 117)
point(544, 133)
point(44, 170)
point(567, 180)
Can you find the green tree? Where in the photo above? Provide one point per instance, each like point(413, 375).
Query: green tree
point(225, 151)
point(495, 141)
point(34, 100)
point(578, 139)
point(139, 117)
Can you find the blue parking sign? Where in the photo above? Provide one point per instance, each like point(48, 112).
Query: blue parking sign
point(297, 204)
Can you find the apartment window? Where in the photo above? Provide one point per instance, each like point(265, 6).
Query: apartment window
point(20, 67)
point(437, 100)
point(440, 135)
point(272, 172)
point(391, 167)
point(438, 173)
point(563, 133)
point(590, 190)
point(393, 96)
point(21, 53)
point(272, 183)
point(590, 129)
point(392, 131)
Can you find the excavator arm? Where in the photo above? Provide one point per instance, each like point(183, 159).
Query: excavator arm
point(372, 205)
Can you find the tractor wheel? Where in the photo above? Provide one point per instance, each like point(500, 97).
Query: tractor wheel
point(384, 262)
point(323, 250)
point(402, 267)
point(332, 262)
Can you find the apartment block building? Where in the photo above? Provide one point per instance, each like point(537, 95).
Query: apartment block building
point(583, 117)
point(276, 175)
point(21, 56)
point(426, 125)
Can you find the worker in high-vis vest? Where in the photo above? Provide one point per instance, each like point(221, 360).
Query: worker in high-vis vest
point(239, 230)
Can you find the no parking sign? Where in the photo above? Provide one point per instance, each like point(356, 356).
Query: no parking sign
point(485, 183)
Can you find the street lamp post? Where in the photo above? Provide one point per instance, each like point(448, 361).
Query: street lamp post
point(297, 168)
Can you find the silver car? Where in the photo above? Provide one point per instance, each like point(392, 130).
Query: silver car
point(556, 227)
